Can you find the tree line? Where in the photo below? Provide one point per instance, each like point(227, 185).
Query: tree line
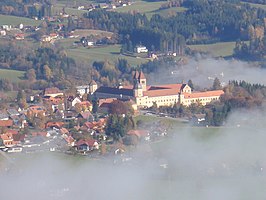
point(203, 22)
point(26, 8)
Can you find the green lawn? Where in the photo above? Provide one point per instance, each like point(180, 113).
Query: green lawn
point(141, 7)
point(13, 20)
point(71, 11)
point(12, 75)
point(256, 5)
point(218, 49)
point(110, 53)
point(166, 12)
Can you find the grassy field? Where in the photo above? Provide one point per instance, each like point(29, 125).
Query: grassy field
point(13, 20)
point(12, 75)
point(110, 53)
point(218, 49)
point(71, 11)
point(255, 5)
point(141, 7)
point(167, 12)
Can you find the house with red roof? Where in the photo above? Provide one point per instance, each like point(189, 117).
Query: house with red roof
point(85, 145)
point(52, 92)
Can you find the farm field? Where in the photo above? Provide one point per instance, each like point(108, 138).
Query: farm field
point(111, 53)
point(256, 5)
point(166, 12)
point(71, 11)
point(141, 7)
point(218, 49)
point(13, 20)
point(12, 75)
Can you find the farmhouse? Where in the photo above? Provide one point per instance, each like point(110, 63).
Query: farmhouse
point(161, 95)
point(141, 49)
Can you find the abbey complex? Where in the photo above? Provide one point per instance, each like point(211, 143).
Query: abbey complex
point(163, 95)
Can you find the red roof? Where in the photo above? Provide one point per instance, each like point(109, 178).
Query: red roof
point(64, 131)
point(139, 133)
point(6, 123)
point(54, 124)
point(204, 94)
point(89, 142)
point(53, 90)
point(163, 90)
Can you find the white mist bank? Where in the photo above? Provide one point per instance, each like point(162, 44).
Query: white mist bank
point(202, 72)
point(229, 163)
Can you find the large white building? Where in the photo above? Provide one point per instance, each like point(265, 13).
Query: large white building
point(87, 89)
point(163, 95)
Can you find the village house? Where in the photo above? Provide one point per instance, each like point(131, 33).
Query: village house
point(72, 101)
point(8, 138)
point(3, 116)
point(146, 96)
point(141, 49)
point(85, 145)
point(6, 123)
point(52, 92)
point(87, 89)
point(20, 36)
point(36, 110)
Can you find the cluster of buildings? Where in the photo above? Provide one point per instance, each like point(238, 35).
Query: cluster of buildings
point(53, 131)
point(59, 110)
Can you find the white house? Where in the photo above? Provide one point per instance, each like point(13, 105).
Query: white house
point(141, 49)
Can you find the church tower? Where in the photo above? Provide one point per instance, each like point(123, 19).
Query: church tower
point(141, 79)
point(137, 90)
point(92, 86)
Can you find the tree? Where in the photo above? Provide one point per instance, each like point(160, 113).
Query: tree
point(1, 142)
point(31, 75)
point(47, 72)
point(115, 127)
point(190, 84)
point(119, 107)
point(95, 105)
point(216, 84)
point(21, 99)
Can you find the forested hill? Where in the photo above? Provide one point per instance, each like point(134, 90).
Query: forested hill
point(203, 22)
point(26, 8)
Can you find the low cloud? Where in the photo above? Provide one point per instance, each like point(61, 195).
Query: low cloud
point(193, 163)
point(202, 72)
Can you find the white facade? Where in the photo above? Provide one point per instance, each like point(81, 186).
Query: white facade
point(83, 89)
point(141, 49)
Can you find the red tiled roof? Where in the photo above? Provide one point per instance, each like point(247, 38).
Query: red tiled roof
point(139, 133)
point(53, 90)
point(54, 124)
point(89, 142)
point(85, 103)
point(106, 101)
point(6, 123)
point(163, 90)
point(6, 136)
point(64, 131)
point(204, 94)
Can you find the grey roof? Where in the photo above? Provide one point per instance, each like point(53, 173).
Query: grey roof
point(115, 91)
point(12, 112)
point(3, 115)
